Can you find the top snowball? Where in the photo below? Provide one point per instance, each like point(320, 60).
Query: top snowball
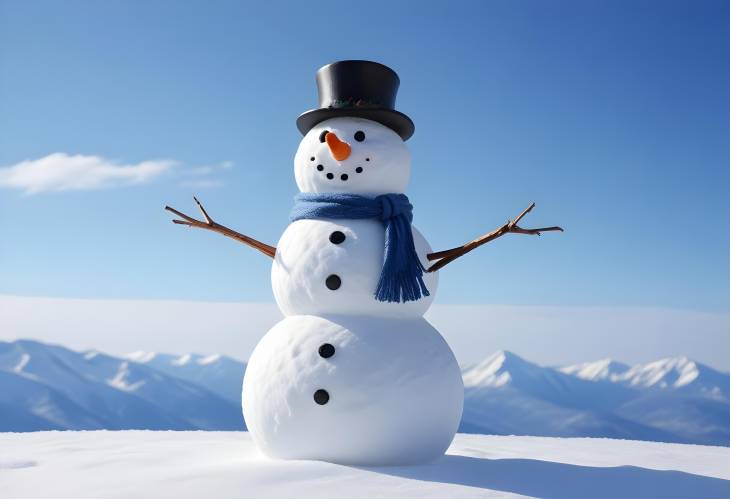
point(354, 141)
point(352, 155)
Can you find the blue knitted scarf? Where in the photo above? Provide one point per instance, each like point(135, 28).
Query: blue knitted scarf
point(401, 278)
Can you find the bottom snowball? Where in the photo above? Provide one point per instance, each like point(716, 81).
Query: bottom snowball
point(353, 390)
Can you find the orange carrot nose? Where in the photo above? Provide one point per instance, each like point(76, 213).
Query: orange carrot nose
point(339, 150)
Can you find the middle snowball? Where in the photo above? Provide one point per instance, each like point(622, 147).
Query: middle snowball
point(332, 267)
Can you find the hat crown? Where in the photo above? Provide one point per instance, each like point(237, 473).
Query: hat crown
point(360, 89)
point(357, 84)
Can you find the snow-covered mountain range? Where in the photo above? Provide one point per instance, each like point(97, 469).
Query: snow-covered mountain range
point(674, 400)
point(670, 400)
point(44, 387)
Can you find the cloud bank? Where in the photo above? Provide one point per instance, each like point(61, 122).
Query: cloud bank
point(64, 172)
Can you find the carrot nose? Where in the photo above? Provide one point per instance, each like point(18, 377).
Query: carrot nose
point(339, 150)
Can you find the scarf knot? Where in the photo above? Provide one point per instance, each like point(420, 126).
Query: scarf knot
point(394, 205)
point(401, 278)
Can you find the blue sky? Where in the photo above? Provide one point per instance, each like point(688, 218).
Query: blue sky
point(613, 116)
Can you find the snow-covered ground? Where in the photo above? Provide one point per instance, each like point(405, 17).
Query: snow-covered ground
point(142, 464)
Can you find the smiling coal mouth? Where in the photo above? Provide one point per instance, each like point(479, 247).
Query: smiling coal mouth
point(332, 176)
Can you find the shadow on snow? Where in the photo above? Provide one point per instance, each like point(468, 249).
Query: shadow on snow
point(549, 479)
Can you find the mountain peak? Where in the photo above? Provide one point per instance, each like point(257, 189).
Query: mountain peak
point(671, 372)
point(182, 360)
point(187, 359)
point(210, 359)
point(495, 370)
point(503, 357)
point(604, 369)
point(140, 356)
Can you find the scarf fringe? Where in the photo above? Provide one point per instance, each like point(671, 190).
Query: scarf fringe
point(401, 279)
point(400, 288)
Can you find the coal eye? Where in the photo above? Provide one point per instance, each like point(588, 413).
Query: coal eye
point(359, 135)
point(323, 135)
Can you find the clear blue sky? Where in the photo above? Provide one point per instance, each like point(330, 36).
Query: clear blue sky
point(613, 116)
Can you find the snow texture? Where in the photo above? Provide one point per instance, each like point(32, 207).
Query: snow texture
point(395, 391)
point(187, 465)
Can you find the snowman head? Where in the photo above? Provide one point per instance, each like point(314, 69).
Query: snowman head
point(352, 155)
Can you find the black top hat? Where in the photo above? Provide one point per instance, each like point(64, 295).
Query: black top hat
point(362, 89)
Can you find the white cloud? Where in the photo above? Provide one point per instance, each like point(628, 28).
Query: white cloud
point(63, 172)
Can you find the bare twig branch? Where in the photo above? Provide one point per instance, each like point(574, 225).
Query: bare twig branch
point(209, 224)
point(536, 232)
point(181, 215)
point(447, 256)
point(202, 210)
point(524, 212)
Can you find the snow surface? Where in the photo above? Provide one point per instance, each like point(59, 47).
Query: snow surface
point(142, 464)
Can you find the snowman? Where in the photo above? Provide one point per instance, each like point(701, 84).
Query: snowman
point(353, 374)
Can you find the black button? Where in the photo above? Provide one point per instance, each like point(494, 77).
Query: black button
point(330, 176)
point(333, 282)
point(321, 396)
point(337, 237)
point(326, 351)
point(358, 169)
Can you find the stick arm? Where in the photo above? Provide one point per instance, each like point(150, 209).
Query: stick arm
point(211, 225)
point(447, 256)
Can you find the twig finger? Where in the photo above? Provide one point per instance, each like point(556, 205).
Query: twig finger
point(180, 214)
point(202, 210)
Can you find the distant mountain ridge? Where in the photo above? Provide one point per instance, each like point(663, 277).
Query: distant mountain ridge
point(674, 400)
point(670, 373)
point(52, 387)
point(671, 400)
point(220, 374)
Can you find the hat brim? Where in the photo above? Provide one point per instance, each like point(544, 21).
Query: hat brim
point(395, 120)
